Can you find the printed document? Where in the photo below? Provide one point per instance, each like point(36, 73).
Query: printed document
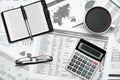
point(8, 70)
point(60, 44)
point(64, 15)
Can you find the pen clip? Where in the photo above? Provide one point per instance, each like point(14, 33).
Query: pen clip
point(23, 12)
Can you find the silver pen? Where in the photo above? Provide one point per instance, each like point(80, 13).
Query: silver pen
point(26, 22)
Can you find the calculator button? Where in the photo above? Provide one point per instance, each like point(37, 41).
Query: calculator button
point(78, 72)
point(93, 66)
point(89, 64)
point(84, 73)
point(71, 64)
point(69, 67)
point(74, 70)
point(89, 73)
point(75, 57)
point(80, 68)
point(91, 61)
point(81, 56)
point(77, 62)
point(73, 60)
point(76, 53)
point(95, 63)
point(85, 58)
point(82, 65)
point(86, 67)
point(92, 70)
point(88, 77)
point(79, 59)
point(84, 61)
point(75, 66)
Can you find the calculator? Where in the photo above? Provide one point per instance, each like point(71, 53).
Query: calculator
point(85, 60)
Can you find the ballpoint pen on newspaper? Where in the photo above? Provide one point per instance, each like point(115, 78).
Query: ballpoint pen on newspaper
point(26, 22)
point(33, 60)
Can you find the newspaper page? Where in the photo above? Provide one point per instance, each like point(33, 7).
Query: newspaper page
point(115, 64)
point(9, 70)
point(114, 72)
point(60, 44)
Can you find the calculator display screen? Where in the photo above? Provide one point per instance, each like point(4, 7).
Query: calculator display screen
point(90, 51)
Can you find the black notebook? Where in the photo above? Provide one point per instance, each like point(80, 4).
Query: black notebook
point(38, 21)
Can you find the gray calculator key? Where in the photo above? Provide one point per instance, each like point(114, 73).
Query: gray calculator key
point(82, 65)
point(90, 60)
point(78, 72)
point(75, 57)
point(80, 59)
point(92, 70)
point(71, 64)
point(85, 58)
point(76, 53)
point(84, 71)
point(86, 67)
point(89, 64)
point(84, 61)
point(73, 60)
point(69, 67)
point(81, 56)
point(77, 62)
point(74, 70)
point(93, 66)
point(88, 77)
point(80, 68)
point(83, 74)
point(75, 66)
point(89, 73)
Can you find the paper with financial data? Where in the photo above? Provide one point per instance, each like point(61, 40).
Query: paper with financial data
point(60, 44)
point(8, 70)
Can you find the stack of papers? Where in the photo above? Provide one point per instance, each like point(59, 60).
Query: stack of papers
point(60, 44)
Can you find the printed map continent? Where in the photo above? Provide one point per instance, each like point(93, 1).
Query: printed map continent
point(62, 12)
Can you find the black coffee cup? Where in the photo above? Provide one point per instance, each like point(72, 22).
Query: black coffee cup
point(98, 20)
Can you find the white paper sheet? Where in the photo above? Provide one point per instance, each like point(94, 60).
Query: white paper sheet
point(60, 46)
point(66, 14)
point(8, 70)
